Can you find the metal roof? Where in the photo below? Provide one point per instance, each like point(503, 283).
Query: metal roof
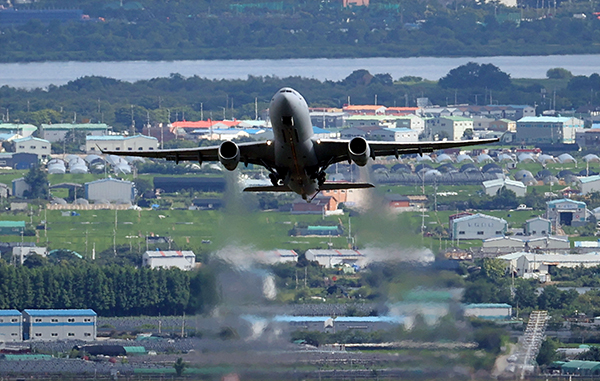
point(75, 126)
point(172, 253)
point(87, 312)
point(12, 224)
point(562, 200)
point(9, 313)
point(478, 215)
point(30, 138)
point(589, 179)
point(545, 119)
point(487, 305)
point(117, 137)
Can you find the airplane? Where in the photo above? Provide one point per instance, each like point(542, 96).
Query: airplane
point(297, 161)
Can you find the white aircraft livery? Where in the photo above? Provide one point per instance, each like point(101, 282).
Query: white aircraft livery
point(295, 159)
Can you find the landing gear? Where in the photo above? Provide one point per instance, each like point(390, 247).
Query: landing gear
point(275, 179)
point(321, 178)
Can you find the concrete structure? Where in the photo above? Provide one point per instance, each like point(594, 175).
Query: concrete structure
point(40, 147)
point(111, 190)
point(452, 127)
point(477, 226)
point(184, 260)
point(331, 258)
point(525, 264)
point(492, 187)
point(548, 129)
point(492, 311)
point(538, 226)
point(52, 325)
point(11, 326)
point(57, 132)
point(566, 212)
point(120, 143)
point(589, 184)
point(22, 252)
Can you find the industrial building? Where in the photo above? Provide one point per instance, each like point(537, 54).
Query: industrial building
point(120, 143)
point(538, 226)
point(340, 323)
point(58, 131)
point(51, 325)
point(110, 190)
point(22, 252)
point(184, 260)
point(452, 127)
point(546, 242)
point(40, 147)
point(491, 311)
point(492, 187)
point(12, 227)
point(566, 212)
point(11, 326)
point(524, 264)
point(590, 184)
point(477, 226)
point(278, 256)
point(548, 130)
point(331, 258)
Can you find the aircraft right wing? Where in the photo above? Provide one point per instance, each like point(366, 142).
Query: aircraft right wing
point(260, 153)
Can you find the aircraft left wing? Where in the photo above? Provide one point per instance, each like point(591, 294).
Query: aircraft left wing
point(331, 151)
point(260, 153)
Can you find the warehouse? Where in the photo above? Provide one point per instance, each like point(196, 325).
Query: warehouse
point(590, 184)
point(489, 311)
point(538, 226)
point(51, 325)
point(37, 146)
point(331, 258)
point(120, 143)
point(11, 326)
point(184, 260)
point(110, 190)
point(478, 226)
point(58, 131)
point(492, 187)
point(522, 263)
point(554, 243)
point(12, 227)
point(566, 212)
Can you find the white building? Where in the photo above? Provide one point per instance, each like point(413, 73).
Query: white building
point(331, 258)
point(546, 243)
point(590, 184)
point(548, 129)
point(22, 252)
point(477, 226)
point(523, 264)
point(19, 187)
point(11, 326)
point(491, 311)
point(42, 148)
point(278, 256)
point(52, 325)
point(184, 260)
point(120, 143)
point(538, 226)
point(395, 135)
point(110, 190)
point(452, 127)
point(566, 212)
point(491, 187)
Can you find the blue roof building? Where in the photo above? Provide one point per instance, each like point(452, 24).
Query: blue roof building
point(51, 325)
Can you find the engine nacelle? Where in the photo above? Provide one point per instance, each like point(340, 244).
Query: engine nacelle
point(359, 151)
point(229, 155)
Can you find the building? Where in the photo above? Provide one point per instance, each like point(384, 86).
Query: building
point(278, 256)
point(328, 119)
point(503, 125)
point(395, 135)
point(18, 130)
point(120, 143)
point(451, 127)
point(331, 258)
point(548, 130)
point(19, 187)
point(364, 109)
point(22, 252)
point(546, 243)
point(110, 190)
point(340, 323)
point(11, 326)
point(580, 368)
point(589, 184)
point(538, 226)
point(52, 325)
point(40, 147)
point(566, 212)
point(477, 226)
point(12, 227)
point(489, 311)
point(492, 187)
point(524, 264)
point(57, 132)
point(184, 260)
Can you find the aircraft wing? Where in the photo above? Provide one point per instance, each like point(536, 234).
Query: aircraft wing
point(332, 151)
point(261, 153)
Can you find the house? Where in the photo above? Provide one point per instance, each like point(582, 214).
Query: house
point(548, 130)
point(110, 190)
point(477, 226)
point(53, 325)
point(40, 147)
point(566, 212)
point(183, 260)
point(538, 226)
point(492, 187)
point(57, 132)
point(451, 127)
point(93, 144)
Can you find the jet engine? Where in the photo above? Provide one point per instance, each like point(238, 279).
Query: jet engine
point(359, 151)
point(229, 155)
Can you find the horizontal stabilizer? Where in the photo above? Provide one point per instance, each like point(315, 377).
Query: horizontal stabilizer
point(268, 188)
point(336, 185)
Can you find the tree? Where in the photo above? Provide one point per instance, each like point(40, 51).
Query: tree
point(547, 352)
point(559, 73)
point(593, 354)
point(37, 179)
point(180, 366)
point(474, 75)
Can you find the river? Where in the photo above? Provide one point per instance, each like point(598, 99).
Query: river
point(43, 74)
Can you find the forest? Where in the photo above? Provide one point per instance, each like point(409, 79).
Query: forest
point(157, 30)
point(162, 100)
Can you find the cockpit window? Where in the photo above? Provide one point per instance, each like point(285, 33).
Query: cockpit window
point(287, 120)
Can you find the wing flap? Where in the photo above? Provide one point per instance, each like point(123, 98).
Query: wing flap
point(340, 185)
point(268, 188)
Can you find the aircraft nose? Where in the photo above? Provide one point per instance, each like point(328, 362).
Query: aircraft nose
point(284, 103)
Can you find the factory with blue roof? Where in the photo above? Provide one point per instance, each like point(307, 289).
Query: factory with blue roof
point(48, 325)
